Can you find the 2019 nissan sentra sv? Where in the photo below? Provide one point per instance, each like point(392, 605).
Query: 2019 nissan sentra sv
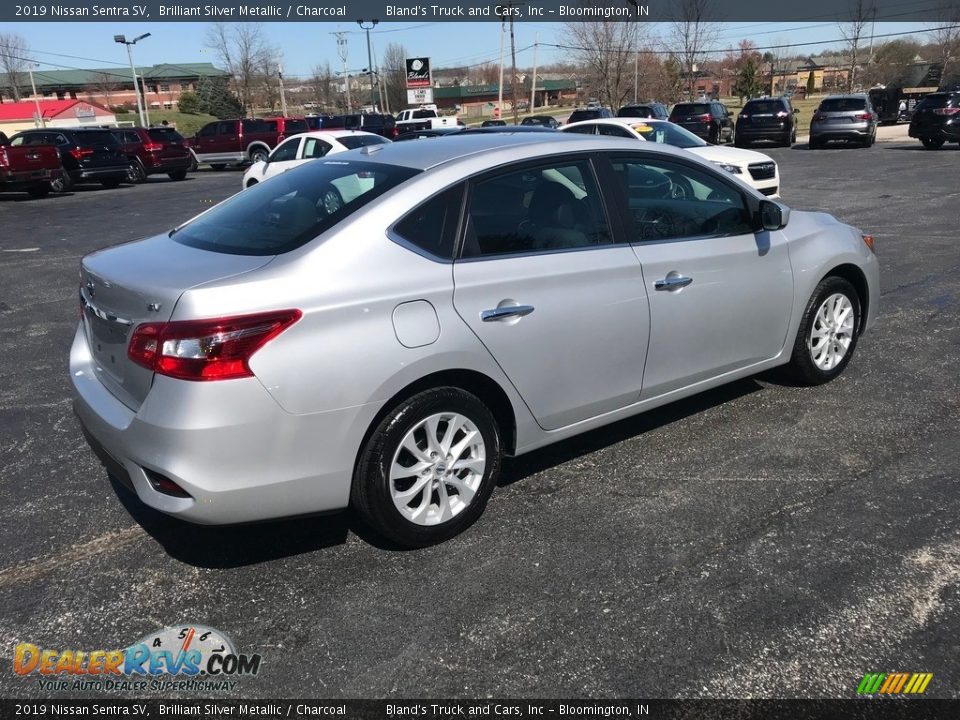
point(379, 328)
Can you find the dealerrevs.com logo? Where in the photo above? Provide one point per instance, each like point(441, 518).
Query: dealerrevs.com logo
point(185, 657)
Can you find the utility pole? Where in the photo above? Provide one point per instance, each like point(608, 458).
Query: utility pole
point(513, 71)
point(373, 24)
point(146, 105)
point(36, 100)
point(342, 52)
point(122, 39)
point(500, 85)
point(533, 82)
point(283, 95)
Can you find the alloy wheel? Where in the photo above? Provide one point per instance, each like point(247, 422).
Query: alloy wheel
point(831, 332)
point(437, 468)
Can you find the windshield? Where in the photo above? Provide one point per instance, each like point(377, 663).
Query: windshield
point(293, 208)
point(668, 134)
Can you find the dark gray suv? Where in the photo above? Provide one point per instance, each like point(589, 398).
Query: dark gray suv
point(844, 117)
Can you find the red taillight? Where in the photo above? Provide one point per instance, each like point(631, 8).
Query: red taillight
point(946, 111)
point(280, 138)
point(706, 118)
point(4, 160)
point(782, 114)
point(863, 116)
point(80, 152)
point(395, 132)
point(214, 349)
point(153, 147)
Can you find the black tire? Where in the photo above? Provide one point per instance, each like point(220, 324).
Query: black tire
point(786, 141)
point(111, 183)
point(251, 183)
point(178, 175)
point(371, 495)
point(737, 142)
point(793, 136)
point(217, 166)
point(39, 191)
point(713, 137)
point(193, 164)
point(802, 367)
point(258, 154)
point(62, 184)
point(135, 173)
point(932, 143)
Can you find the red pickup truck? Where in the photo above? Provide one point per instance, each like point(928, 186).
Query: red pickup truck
point(28, 168)
point(233, 142)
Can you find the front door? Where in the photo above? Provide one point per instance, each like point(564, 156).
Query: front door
point(720, 294)
point(559, 306)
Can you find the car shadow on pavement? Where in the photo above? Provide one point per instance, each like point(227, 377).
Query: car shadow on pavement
point(516, 469)
point(918, 146)
point(231, 546)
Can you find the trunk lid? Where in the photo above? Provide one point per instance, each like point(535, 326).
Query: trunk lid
point(136, 283)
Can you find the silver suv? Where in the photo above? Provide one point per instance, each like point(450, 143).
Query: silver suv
point(843, 117)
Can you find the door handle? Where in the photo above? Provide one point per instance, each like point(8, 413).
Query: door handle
point(672, 282)
point(507, 311)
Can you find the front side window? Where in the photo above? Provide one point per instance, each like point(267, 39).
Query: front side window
point(669, 201)
point(227, 128)
point(287, 151)
point(209, 130)
point(292, 209)
point(545, 208)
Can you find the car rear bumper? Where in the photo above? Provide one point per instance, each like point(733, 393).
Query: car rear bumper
point(701, 130)
point(167, 165)
point(749, 132)
point(97, 174)
point(948, 132)
point(238, 454)
point(11, 181)
point(838, 131)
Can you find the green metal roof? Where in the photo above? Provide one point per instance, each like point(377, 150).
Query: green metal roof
point(468, 91)
point(98, 76)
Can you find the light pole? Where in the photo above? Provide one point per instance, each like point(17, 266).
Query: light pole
point(122, 39)
point(368, 28)
point(36, 100)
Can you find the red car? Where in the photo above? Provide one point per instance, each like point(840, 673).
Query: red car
point(28, 168)
point(154, 151)
point(232, 142)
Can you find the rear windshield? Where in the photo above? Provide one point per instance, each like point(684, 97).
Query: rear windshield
point(691, 108)
point(842, 104)
point(937, 100)
point(578, 115)
point(666, 133)
point(640, 111)
point(292, 127)
point(763, 106)
point(293, 208)
point(95, 137)
point(164, 135)
point(355, 141)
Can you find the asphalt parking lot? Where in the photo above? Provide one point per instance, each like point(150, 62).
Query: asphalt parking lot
point(757, 540)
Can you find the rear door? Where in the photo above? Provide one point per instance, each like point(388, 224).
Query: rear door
point(721, 295)
point(558, 304)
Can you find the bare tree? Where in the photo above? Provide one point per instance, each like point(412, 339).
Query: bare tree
point(321, 81)
point(862, 13)
point(13, 62)
point(605, 53)
point(690, 35)
point(945, 37)
point(394, 69)
point(106, 84)
point(244, 53)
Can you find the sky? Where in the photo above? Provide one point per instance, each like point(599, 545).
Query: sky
point(306, 45)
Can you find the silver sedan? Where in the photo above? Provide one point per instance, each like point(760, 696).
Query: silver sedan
point(379, 328)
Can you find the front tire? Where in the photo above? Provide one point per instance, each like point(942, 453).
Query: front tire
point(429, 467)
point(258, 154)
point(828, 332)
point(135, 173)
point(178, 175)
point(932, 143)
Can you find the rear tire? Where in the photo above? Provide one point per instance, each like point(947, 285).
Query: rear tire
point(135, 173)
point(814, 144)
point(407, 485)
point(62, 184)
point(828, 333)
point(786, 142)
point(258, 154)
point(932, 143)
point(178, 175)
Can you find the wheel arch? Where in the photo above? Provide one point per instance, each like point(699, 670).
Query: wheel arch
point(256, 145)
point(483, 386)
point(854, 275)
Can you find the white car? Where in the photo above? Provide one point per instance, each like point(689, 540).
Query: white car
point(307, 146)
point(757, 170)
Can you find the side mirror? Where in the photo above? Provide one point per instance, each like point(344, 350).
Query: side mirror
point(773, 215)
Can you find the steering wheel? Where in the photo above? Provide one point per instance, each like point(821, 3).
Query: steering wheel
point(680, 187)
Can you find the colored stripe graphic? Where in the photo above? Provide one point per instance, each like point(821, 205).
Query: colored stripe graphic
point(894, 683)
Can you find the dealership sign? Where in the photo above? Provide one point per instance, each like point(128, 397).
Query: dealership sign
point(420, 96)
point(418, 73)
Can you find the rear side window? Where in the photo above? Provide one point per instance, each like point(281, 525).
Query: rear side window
point(843, 104)
point(164, 135)
point(292, 209)
point(432, 226)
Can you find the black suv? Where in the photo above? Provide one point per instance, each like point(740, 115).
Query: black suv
point(589, 114)
point(707, 119)
point(652, 110)
point(384, 125)
point(767, 119)
point(87, 154)
point(936, 119)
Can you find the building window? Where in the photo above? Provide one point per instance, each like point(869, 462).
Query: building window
point(164, 87)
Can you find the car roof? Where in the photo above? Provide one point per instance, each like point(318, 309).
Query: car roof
point(495, 148)
point(332, 133)
point(619, 121)
point(846, 96)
